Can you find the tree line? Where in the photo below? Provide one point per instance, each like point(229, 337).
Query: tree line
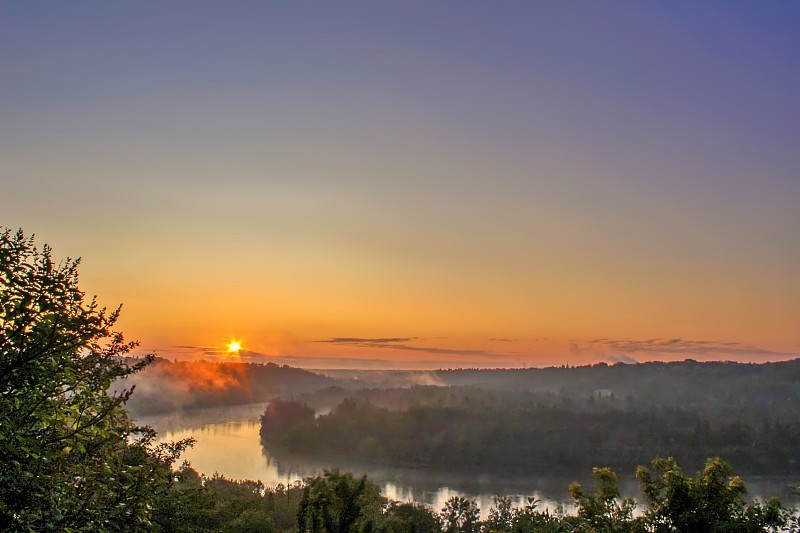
point(525, 432)
point(337, 502)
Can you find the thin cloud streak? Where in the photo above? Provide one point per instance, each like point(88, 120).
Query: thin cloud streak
point(684, 346)
point(186, 348)
point(322, 361)
point(360, 340)
point(333, 363)
point(210, 351)
point(394, 344)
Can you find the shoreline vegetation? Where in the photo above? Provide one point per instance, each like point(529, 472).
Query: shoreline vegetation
point(713, 500)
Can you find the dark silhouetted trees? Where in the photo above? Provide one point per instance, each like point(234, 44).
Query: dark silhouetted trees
point(340, 503)
point(474, 429)
point(70, 458)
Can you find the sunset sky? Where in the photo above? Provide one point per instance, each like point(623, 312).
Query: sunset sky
point(416, 184)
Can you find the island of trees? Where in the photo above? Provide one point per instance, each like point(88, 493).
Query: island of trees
point(530, 432)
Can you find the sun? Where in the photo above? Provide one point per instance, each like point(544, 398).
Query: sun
point(234, 347)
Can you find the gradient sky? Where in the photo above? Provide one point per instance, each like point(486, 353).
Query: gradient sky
point(416, 184)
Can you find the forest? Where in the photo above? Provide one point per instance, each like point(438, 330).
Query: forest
point(746, 414)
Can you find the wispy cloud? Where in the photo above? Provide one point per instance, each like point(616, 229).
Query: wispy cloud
point(388, 343)
point(211, 352)
point(443, 351)
point(401, 343)
point(679, 346)
point(361, 340)
point(329, 362)
point(500, 339)
point(184, 348)
point(319, 363)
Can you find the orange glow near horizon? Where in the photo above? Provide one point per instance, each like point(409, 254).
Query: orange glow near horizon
point(231, 352)
point(435, 202)
point(452, 314)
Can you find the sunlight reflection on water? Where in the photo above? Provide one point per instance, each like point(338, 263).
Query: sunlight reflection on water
point(228, 443)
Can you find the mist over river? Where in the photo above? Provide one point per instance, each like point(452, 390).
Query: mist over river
point(228, 442)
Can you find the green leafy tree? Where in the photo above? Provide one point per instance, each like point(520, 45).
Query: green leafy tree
point(501, 515)
point(604, 511)
point(713, 501)
point(410, 518)
point(533, 521)
point(340, 503)
point(195, 503)
point(282, 416)
point(526, 519)
point(460, 515)
point(70, 457)
point(188, 506)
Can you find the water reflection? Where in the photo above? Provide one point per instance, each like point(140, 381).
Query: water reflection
point(228, 443)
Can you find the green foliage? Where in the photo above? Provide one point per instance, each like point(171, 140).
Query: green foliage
point(70, 458)
point(410, 518)
point(460, 515)
point(603, 510)
point(713, 501)
point(501, 515)
point(339, 503)
point(187, 506)
point(527, 520)
point(332, 502)
point(282, 416)
point(196, 503)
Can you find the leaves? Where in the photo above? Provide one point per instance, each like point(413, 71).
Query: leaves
point(69, 459)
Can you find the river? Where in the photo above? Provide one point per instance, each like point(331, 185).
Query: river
point(227, 442)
